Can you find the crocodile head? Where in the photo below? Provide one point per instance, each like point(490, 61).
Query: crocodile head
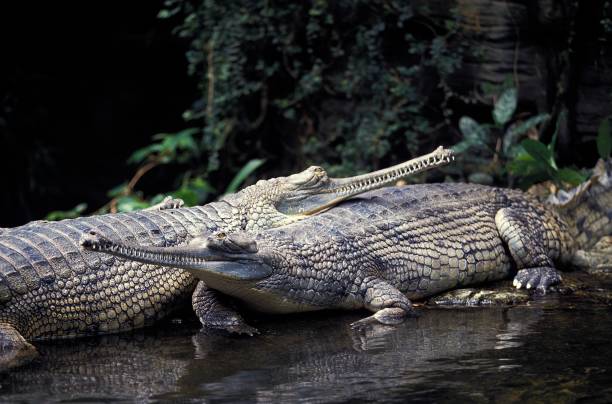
point(230, 263)
point(279, 201)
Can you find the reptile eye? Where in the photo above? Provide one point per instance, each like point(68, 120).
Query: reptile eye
point(221, 235)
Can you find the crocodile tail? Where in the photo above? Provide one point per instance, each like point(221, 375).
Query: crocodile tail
point(588, 207)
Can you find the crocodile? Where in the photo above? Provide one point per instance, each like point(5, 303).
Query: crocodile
point(51, 288)
point(387, 247)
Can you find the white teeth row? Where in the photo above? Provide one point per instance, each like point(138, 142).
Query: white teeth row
point(129, 252)
point(402, 172)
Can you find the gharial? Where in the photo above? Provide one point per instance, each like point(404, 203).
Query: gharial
point(51, 288)
point(388, 246)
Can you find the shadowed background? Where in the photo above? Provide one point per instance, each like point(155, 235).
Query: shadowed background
point(352, 86)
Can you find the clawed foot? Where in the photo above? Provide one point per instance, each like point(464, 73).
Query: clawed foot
point(171, 203)
point(536, 278)
point(168, 203)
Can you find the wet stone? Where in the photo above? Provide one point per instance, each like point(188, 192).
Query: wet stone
point(502, 296)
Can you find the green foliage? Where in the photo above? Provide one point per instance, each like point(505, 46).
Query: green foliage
point(535, 162)
point(483, 137)
point(193, 191)
point(248, 169)
point(474, 134)
point(530, 160)
point(333, 82)
point(351, 85)
point(342, 80)
point(171, 147)
point(131, 203)
point(67, 214)
point(505, 106)
point(516, 130)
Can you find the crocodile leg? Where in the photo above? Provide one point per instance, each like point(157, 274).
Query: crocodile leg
point(525, 235)
point(390, 306)
point(211, 308)
point(14, 349)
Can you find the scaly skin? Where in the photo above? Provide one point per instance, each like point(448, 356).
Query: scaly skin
point(380, 250)
point(51, 288)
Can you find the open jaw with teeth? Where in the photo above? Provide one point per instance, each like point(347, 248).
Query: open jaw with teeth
point(437, 158)
point(315, 192)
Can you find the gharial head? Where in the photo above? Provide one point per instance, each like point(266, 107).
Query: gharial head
point(230, 263)
point(313, 191)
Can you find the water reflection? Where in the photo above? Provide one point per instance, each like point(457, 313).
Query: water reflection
point(444, 355)
point(317, 359)
point(124, 366)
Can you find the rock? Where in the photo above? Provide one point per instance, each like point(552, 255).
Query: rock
point(578, 284)
point(500, 296)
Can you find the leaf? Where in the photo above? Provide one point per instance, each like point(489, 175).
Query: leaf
point(243, 174)
point(540, 152)
point(604, 139)
point(570, 176)
point(130, 204)
point(194, 191)
point(141, 154)
point(561, 120)
point(168, 146)
point(523, 164)
point(461, 147)
point(67, 214)
point(505, 106)
point(117, 191)
point(517, 129)
point(474, 134)
point(188, 195)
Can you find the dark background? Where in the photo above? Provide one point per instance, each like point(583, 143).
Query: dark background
point(81, 87)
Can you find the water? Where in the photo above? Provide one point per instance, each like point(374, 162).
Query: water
point(554, 349)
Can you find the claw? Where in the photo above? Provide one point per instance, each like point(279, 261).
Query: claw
point(538, 278)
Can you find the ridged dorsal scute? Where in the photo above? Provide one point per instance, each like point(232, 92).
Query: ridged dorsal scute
point(20, 276)
point(7, 273)
point(33, 258)
point(42, 253)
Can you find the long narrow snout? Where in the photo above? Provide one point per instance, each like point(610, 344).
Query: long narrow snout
point(200, 260)
point(339, 189)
